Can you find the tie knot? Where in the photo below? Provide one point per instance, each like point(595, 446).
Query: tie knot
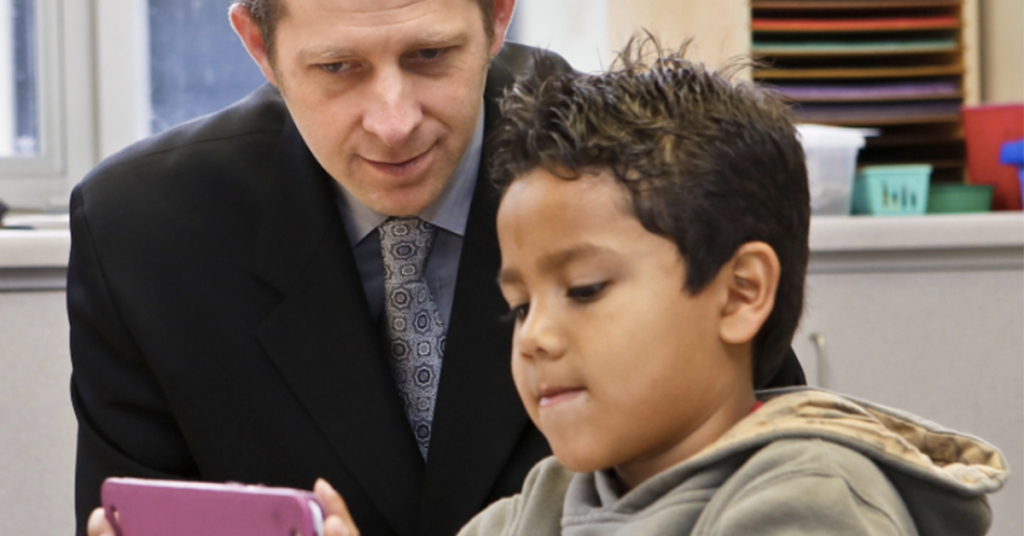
point(406, 242)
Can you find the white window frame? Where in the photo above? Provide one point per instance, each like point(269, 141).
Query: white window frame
point(123, 103)
point(65, 103)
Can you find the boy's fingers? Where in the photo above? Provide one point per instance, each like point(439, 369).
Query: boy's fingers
point(98, 524)
point(335, 506)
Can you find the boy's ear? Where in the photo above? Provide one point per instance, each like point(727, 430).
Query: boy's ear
point(751, 279)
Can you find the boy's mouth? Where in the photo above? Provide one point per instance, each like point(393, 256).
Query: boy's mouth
point(551, 395)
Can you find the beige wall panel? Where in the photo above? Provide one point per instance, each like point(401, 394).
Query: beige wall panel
point(720, 28)
point(972, 52)
point(1002, 50)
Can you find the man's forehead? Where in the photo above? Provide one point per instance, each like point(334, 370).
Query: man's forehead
point(373, 11)
point(337, 28)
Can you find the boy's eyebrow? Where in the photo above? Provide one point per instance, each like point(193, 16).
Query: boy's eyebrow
point(553, 262)
point(509, 276)
point(559, 259)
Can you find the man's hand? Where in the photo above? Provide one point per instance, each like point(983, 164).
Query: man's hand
point(338, 521)
point(98, 524)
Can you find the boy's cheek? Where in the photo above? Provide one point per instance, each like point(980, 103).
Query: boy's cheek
point(521, 374)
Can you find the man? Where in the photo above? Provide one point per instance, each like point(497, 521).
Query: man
point(238, 286)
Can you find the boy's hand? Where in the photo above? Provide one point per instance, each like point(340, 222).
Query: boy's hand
point(337, 520)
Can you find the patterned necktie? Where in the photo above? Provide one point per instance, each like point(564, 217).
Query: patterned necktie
point(415, 331)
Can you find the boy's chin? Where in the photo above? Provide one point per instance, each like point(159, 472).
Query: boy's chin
point(581, 460)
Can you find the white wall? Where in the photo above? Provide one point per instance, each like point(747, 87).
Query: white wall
point(37, 443)
point(576, 29)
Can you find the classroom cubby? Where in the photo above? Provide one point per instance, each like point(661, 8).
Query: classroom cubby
point(902, 67)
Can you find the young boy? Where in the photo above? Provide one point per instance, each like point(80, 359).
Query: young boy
point(654, 244)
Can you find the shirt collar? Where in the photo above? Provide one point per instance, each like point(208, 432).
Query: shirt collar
point(450, 211)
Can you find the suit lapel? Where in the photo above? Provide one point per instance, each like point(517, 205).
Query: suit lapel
point(479, 416)
point(323, 341)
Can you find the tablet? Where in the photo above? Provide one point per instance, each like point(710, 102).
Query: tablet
point(144, 507)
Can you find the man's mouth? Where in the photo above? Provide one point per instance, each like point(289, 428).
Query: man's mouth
point(402, 167)
point(552, 395)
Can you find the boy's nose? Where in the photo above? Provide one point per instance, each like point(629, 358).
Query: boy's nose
point(392, 112)
point(539, 336)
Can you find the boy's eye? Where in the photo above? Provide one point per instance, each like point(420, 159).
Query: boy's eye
point(585, 293)
point(519, 312)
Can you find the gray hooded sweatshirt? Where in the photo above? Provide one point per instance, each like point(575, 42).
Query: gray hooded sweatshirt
point(807, 462)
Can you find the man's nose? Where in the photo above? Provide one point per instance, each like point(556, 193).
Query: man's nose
point(392, 110)
point(539, 336)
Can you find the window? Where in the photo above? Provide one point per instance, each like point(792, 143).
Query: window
point(33, 127)
point(82, 80)
point(19, 113)
point(197, 63)
point(185, 61)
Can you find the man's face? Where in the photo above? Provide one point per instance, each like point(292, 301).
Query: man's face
point(386, 93)
point(615, 361)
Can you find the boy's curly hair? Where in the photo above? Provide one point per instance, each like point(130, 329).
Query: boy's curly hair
point(708, 162)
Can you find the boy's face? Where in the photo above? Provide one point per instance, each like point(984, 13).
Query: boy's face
point(617, 364)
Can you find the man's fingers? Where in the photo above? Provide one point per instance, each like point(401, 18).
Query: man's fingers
point(98, 524)
point(334, 526)
point(336, 509)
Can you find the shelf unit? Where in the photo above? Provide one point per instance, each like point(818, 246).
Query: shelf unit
point(904, 67)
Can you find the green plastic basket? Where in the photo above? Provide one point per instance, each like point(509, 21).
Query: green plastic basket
point(946, 198)
point(891, 190)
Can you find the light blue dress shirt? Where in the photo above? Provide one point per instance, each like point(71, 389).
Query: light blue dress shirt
point(449, 213)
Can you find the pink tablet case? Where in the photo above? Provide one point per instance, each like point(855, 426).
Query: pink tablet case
point(174, 508)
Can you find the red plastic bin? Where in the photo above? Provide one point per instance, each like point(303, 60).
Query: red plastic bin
point(986, 128)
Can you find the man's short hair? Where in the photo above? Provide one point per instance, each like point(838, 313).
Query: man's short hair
point(708, 163)
point(266, 14)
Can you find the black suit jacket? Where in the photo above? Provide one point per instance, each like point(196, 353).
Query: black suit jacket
point(219, 331)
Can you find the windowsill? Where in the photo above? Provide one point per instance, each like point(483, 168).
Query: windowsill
point(33, 259)
point(838, 244)
point(34, 248)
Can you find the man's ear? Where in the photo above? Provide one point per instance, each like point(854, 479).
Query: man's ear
point(502, 16)
point(245, 27)
point(752, 277)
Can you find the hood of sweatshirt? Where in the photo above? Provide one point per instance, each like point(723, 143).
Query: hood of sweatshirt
point(942, 476)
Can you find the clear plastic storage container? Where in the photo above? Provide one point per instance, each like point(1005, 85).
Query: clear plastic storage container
point(831, 163)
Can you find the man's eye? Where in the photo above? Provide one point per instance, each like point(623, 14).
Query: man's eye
point(585, 293)
point(336, 67)
point(429, 54)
